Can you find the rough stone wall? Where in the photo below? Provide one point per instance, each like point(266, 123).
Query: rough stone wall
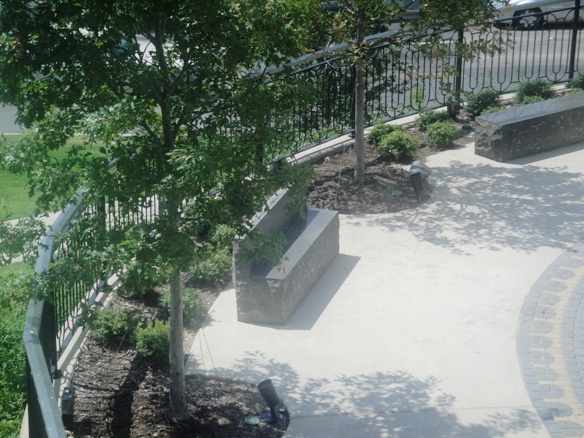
point(531, 129)
point(270, 295)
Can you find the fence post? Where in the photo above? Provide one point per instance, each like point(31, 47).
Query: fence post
point(458, 79)
point(575, 26)
point(453, 104)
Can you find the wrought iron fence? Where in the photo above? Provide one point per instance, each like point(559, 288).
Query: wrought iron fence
point(69, 288)
point(405, 79)
point(400, 81)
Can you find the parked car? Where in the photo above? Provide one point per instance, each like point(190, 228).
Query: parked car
point(532, 14)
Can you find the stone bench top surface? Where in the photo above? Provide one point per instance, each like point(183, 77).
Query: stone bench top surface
point(535, 110)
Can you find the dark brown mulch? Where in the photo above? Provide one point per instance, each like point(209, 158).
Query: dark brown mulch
point(119, 394)
point(387, 187)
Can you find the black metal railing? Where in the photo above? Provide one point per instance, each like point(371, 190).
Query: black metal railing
point(72, 281)
point(406, 79)
point(400, 81)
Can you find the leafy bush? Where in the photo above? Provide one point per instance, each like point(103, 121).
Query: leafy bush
point(429, 117)
point(379, 131)
point(262, 247)
point(153, 341)
point(491, 110)
point(138, 278)
point(577, 82)
point(214, 269)
point(114, 327)
point(441, 134)
point(539, 87)
point(12, 371)
point(223, 236)
point(13, 306)
point(213, 265)
point(398, 146)
point(192, 303)
point(532, 99)
point(477, 103)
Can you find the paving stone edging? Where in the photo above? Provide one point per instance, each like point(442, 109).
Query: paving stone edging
point(550, 342)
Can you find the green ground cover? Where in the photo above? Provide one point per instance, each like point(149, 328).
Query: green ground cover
point(13, 191)
point(13, 306)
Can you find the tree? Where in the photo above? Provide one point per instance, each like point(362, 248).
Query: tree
point(354, 19)
point(172, 105)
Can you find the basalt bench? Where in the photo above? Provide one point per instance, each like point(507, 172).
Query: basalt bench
point(269, 295)
point(531, 129)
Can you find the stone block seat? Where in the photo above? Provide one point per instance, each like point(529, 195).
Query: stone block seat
point(269, 295)
point(530, 129)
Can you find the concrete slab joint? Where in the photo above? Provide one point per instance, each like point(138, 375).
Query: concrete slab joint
point(269, 295)
point(530, 129)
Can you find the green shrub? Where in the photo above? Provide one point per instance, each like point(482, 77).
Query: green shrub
point(398, 146)
point(539, 87)
point(379, 131)
point(441, 134)
point(114, 327)
point(12, 371)
point(429, 117)
point(138, 278)
point(491, 110)
point(577, 82)
point(214, 269)
point(13, 307)
point(153, 341)
point(223, 236)
point(477, 103)
point(192, 303)
point(10, 428)
point(532, 99)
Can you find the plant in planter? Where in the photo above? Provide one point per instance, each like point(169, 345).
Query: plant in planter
point(538, 88)
point(428, 117)
point(441, 134)
point(477, 103)
point(398, 146)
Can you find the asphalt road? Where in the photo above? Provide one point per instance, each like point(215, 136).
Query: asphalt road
point(525, 55)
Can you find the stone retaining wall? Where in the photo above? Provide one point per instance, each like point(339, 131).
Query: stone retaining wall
point(269, 295)
point(531, 129)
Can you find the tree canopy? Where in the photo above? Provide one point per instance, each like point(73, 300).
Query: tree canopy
point(353, 20)
point(174, 106)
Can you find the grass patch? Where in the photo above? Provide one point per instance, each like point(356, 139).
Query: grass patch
point(13, 188)
point(13, 191)
point(15, 268)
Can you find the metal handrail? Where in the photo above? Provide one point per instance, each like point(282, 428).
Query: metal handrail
point(41, 356)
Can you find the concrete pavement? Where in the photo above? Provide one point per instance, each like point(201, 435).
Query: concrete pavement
point(425, 324)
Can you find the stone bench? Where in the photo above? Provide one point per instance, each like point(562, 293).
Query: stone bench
point(530, 129)
point(269, 295)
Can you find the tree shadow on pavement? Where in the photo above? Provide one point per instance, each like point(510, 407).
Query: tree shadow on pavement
point(495, 207)
point(395, 404)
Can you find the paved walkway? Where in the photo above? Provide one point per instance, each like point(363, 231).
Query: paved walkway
point(551, 344)
point(435, 322)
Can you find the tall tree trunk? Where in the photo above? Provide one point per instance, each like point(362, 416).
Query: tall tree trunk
point(178, 401)
point(360, 99)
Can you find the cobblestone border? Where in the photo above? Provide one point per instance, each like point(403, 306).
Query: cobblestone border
point(550, 344)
